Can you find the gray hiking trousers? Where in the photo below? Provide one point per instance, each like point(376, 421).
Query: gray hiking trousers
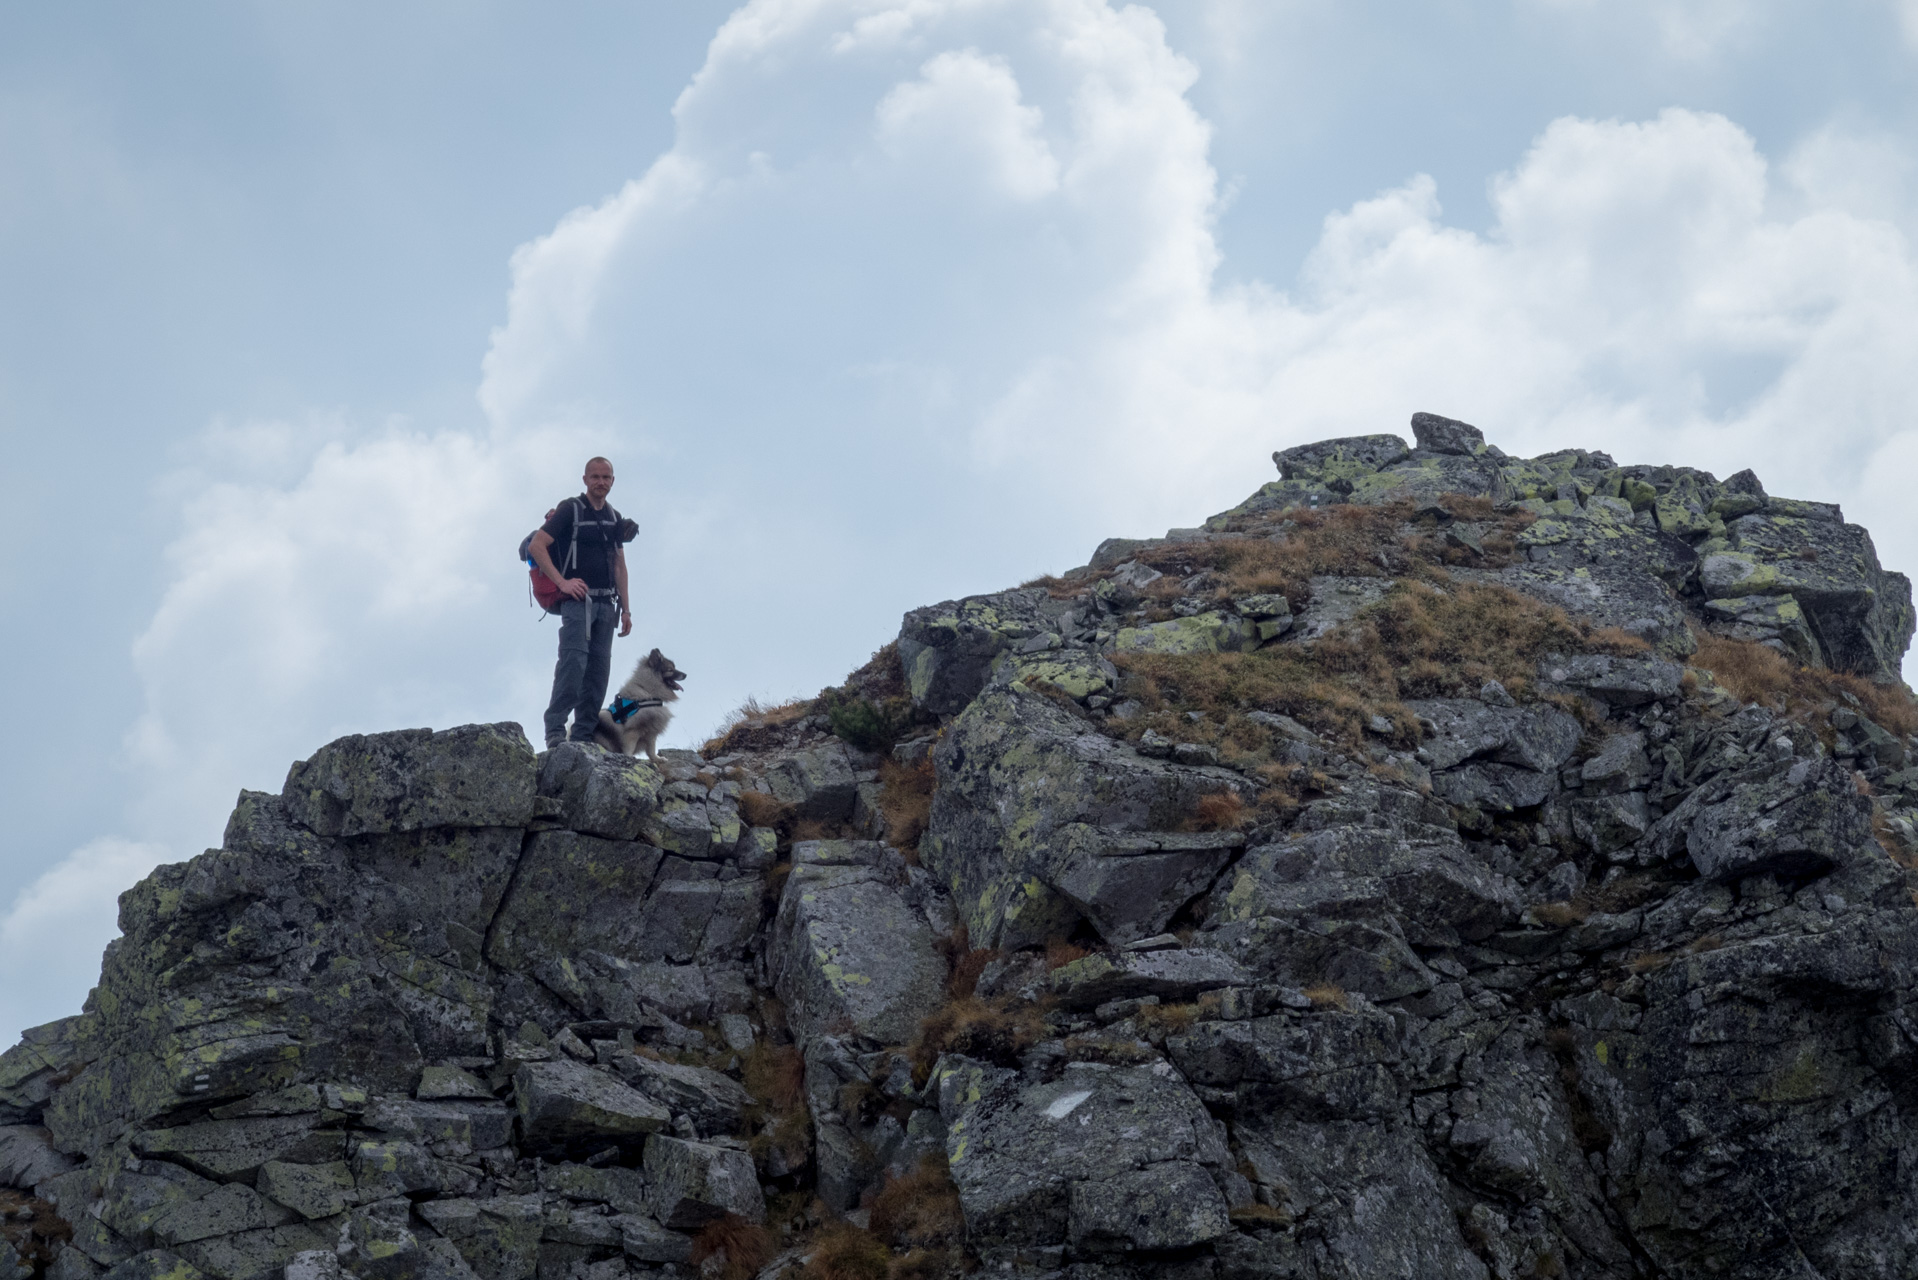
point(586, 630)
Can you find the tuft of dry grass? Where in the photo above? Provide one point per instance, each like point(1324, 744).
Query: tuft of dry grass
point(1649, 961)
point(817, 829)
point(1056, 587)
point(1112, 1050)
point(761, 810)
point(1327, 995)
point(1428, 637)
point(1753, 672)
point(775, 1076)
point(1561, 915)
point(1351, 541)
point(32, 1226)
point(988, 1031)
point(1060, 952)
point(744, 1247)
point(920, 1209)
point(905, 801)
point(1218, 811)
point(755, 726)
point(842, 1251)
point(1259, 1215)
point(1165, 1019)
point(964, 964)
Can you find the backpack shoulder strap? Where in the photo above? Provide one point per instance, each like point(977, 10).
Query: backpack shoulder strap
point(572, 551)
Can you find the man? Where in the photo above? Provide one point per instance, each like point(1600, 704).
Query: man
point(584, 531)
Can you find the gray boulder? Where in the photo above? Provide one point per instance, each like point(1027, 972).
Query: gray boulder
point(692, 1183)
point(1490, 757)
point(566, 1104)
point(223, 1211)
point(1173, 975)
point(1030, 802)
point(155, 1264)
point(28, 1157)
point(310, 1190)
point(498, 1237)
point(947, 650)
point(818, 782)
point(1618, 682)
point(600, 793)
point(848, 946)
point(235, 1149)
point(573, 893)
point(1794, 822)
point(1045, 1164)
point(1447, 435)
point(1858, 615)
point(715, 1103)
point(478, 775)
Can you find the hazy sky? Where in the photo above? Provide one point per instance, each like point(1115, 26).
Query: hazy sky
point(308, 312)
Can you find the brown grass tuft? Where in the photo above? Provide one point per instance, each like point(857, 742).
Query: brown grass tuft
point(747, 1247)
point(1427, 637)
point(919, 1210)
point(755, 726)
point(1060, 953)
point(1165, 1019)
point(1561, 915)
point(775, 1076)
point(1753, 672)
point(842, 1251)
point(905, 800)
point(1649, 961)
point(1327, 995)
point(1259, 1215)
point(990, 1032)
point(963, 979)
point(32, 1226)
point(1219, 811)
point(817, 829)
point(761, 810)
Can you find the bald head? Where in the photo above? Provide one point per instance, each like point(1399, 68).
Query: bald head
point(599, 480)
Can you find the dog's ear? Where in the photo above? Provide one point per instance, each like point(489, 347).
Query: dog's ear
point(653, 658)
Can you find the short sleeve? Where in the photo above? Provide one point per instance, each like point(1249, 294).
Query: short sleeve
point(560, 527)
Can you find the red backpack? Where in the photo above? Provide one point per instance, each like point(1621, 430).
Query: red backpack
point(546, 592)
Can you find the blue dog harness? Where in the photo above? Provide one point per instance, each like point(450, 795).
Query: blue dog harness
point(623, 708)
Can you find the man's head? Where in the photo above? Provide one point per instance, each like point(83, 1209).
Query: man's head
point(599, 479)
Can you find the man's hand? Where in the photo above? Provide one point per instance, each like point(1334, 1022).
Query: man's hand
point(625, 620)
point(574, 587)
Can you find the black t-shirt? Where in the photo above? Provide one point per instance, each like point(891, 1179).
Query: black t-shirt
point(598, 541)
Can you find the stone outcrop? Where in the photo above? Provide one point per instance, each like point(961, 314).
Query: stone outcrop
point(1163, 928)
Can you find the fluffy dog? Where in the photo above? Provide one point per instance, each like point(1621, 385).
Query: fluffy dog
point(639, 713)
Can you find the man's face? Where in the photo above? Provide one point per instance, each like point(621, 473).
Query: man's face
point(599, 480)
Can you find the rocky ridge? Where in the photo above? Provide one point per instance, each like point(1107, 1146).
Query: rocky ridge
point(1440, 865)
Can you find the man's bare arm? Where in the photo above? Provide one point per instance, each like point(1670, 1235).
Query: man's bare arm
point(542, 556)
point(625, 600)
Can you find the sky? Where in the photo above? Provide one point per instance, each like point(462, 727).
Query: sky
point(309, 312)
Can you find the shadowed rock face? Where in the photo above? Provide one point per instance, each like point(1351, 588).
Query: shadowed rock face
point(1603, 975)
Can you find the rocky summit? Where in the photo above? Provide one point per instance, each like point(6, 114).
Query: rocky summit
point(1442, 865)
